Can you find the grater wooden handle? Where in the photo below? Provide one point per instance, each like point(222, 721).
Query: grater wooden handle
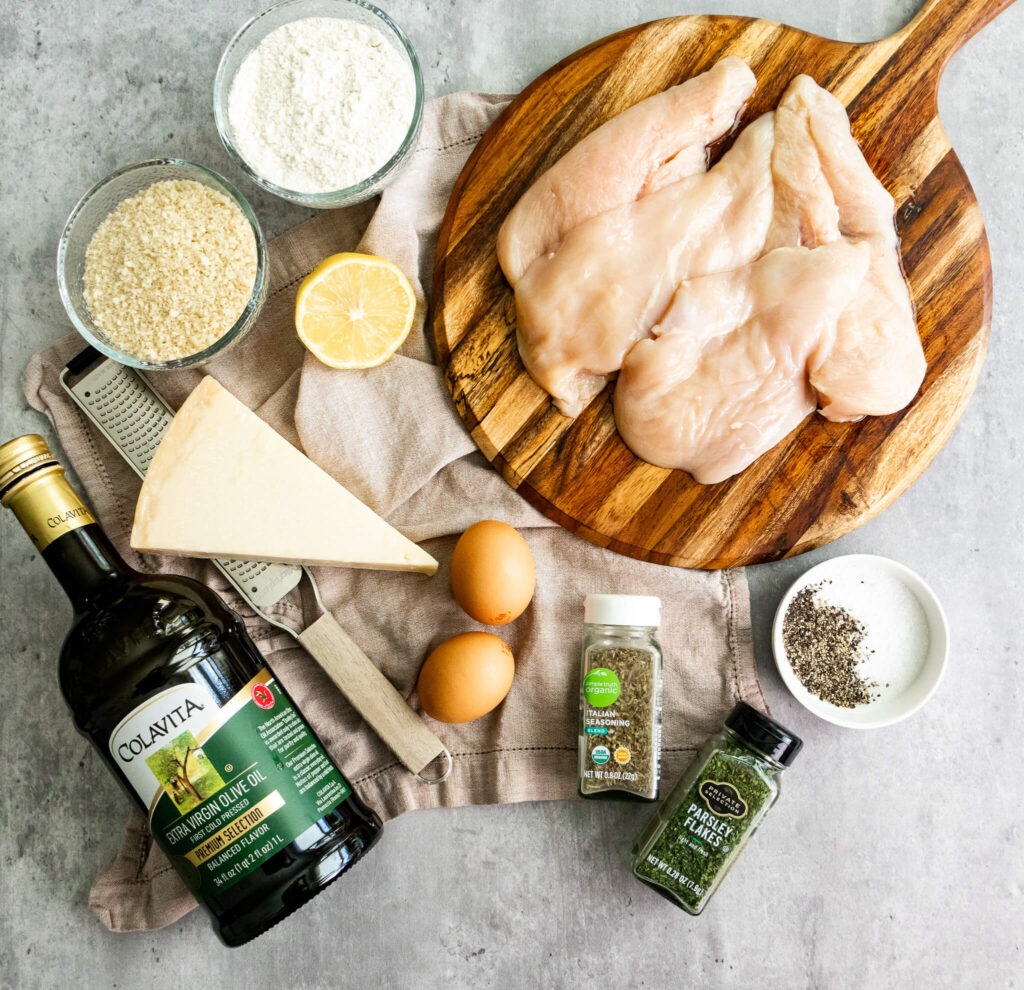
point(372, 694)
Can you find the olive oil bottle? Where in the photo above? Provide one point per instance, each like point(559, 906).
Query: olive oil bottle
point(162, 677)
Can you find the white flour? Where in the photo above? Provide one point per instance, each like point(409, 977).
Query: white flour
point(321, 104)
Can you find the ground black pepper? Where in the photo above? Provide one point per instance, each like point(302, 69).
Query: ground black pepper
point(825, 645)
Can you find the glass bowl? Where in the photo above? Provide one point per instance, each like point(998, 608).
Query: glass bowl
point(94, 207)
point(250, 36)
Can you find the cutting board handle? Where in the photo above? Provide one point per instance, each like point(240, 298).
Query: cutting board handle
point(942, 27)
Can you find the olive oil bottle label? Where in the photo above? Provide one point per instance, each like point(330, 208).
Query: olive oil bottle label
point(227, 785)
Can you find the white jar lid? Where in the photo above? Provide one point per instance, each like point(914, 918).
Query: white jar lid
point(622, 610)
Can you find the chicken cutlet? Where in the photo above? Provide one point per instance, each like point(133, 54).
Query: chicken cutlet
point(656, 142)
point(876, 364)
point(580, 308)
point(725, 377)
point(734, 301)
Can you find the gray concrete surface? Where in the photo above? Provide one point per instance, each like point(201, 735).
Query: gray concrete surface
point(895, 858)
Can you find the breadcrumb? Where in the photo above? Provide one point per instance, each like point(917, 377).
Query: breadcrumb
point(170, 270)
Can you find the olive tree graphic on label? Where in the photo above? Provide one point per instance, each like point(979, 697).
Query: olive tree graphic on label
point(184, 772)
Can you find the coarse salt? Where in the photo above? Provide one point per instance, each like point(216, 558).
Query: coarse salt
point(321, 104)
point(897, 637)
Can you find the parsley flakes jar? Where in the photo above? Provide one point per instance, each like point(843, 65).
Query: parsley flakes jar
point(707, 820)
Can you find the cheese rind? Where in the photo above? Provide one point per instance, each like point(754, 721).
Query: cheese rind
point(224, 484)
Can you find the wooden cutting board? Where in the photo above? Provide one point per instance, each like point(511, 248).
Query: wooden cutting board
point(822, 480)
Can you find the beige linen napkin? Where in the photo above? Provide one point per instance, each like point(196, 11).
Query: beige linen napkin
point(392, 436)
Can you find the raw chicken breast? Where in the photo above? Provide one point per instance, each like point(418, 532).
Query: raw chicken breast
point(658, 141)
point(735, 300)
point(805, 209)
point(877, 364)
point(726, 377)
point(580, 308)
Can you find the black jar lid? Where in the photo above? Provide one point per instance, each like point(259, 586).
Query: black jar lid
point(763, 734)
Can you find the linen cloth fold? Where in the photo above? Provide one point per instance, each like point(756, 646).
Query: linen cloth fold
point(392, 436)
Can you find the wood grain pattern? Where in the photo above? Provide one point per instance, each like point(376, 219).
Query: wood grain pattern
point(822, 480)
point(371, 693)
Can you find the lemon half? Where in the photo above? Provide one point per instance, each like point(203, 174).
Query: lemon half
point(354, 310)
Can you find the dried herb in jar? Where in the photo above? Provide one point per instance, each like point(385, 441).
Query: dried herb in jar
point(620, 698)
point(714, 810)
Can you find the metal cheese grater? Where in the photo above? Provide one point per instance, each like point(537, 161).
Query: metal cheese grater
point(133, 417)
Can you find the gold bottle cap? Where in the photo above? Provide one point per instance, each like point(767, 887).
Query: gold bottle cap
point(21, 456)
point(33, 486)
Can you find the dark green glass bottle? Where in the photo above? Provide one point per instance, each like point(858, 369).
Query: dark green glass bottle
point(162, 677)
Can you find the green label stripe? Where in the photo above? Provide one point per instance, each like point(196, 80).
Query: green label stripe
point(259, 781)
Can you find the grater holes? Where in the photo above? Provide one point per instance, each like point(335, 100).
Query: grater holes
point(135, 420)
point(121, 403)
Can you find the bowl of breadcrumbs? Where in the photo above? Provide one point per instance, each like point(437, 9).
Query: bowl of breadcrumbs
point(162, 265)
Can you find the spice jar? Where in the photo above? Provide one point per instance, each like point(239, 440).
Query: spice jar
point(704, 824)
point(620, 698)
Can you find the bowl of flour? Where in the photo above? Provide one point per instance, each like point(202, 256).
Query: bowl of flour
point(320, 101)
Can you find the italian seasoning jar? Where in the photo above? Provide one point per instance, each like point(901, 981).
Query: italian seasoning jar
point(620, 698)
point(714, 810)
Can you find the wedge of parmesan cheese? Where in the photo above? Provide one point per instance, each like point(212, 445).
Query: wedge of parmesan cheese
point(224, 484)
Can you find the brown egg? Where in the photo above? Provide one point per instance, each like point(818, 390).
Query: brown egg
point(492, 573)
point(465, 677)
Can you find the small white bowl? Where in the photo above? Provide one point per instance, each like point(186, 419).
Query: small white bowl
point(890, 708)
